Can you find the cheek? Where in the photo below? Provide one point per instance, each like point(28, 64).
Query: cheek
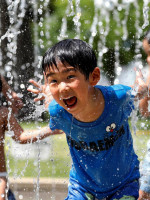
point(81, 90)
point(54, 92)
point(75, 85)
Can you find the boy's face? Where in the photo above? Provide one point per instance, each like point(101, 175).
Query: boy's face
point(146, 48)
point(68, 87)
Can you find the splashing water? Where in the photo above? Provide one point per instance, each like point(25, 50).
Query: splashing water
point(101, 25)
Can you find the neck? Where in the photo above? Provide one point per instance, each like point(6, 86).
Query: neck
point(95, 107)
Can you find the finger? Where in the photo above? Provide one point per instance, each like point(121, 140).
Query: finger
point(138, 72)
point(34, 91)
point(39, 99)
point(45, 79)
point(35, 83)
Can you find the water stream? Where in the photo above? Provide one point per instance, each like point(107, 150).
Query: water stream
point(100, 27)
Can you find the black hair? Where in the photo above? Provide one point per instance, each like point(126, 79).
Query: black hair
point(147, 36)
point(75, 52)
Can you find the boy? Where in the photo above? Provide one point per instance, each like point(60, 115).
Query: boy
point(95, 121)
point(144, 109)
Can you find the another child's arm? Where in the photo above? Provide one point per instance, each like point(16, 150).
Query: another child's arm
point(142, 87)
point(11, 96)
point(144, 102)
point(3, 185)
point(143, 105)
point(3, 173)
point(143, 195)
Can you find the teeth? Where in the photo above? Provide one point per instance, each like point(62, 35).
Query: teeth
point(67, 98)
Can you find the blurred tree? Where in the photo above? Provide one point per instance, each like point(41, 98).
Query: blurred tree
point(17, 53)
point(114, 29)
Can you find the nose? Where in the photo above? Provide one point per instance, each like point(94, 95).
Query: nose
point(63, 87)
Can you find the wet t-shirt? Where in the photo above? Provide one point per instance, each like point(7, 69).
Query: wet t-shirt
point(102, 151)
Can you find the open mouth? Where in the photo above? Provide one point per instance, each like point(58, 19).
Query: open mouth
point(70, 102)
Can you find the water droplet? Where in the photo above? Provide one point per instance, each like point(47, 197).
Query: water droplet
point(20, 196)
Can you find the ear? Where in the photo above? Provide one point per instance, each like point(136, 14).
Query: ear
point(94, 76)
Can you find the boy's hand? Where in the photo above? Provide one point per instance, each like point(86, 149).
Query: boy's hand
point(140, 85)
point(42, 91)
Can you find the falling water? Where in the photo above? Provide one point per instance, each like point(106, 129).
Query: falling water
point(100, 26)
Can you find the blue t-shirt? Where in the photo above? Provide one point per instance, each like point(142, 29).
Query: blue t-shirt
point(102, 151)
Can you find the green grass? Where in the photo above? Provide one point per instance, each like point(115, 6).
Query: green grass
point(57, 166)
point(140, 143)
point(59, 163)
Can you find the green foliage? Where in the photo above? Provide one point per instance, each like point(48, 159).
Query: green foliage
point(58, 165)
point(123, 22)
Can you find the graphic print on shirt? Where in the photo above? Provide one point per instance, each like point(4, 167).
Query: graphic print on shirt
point(110, 137)
point(111, 128)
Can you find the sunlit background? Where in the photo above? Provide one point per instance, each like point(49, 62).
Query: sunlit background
point(114, 28)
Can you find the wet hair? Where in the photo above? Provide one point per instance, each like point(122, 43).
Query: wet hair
point(74, 52)
point(147, 36)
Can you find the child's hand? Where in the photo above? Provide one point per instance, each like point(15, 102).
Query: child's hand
point(143, 195)
point(140, 85)
point(42, 91)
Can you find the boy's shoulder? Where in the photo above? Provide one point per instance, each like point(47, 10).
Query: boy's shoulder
point(55, 109)
point(115, 91)
point(121, 90)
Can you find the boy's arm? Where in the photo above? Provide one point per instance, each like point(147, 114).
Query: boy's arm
point(11, 96)
point(24, 137)
point(34, 135)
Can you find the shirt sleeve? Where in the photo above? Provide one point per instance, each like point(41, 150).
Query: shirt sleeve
point(52, 124)
point(125, 97)
point(54, 111)
point(129, 101)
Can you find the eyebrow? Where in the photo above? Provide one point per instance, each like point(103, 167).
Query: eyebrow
point(64, 71)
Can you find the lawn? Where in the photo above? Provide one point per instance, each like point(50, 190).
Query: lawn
point(58, 164)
